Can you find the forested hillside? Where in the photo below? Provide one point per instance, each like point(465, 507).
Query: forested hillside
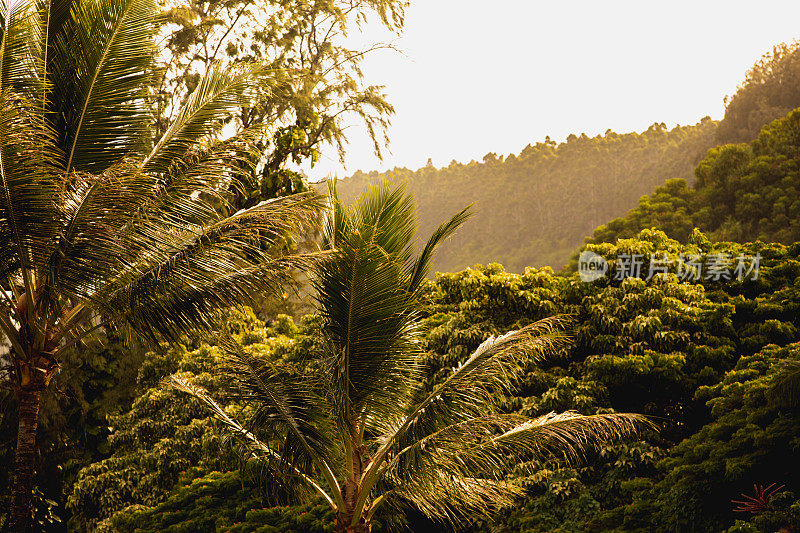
point(535, 208)
point(743, 192)
point(769, 91)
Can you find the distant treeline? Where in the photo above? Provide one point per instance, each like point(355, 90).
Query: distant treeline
point(535, 208)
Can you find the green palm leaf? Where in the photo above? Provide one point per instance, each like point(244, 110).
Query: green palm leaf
point(421, 266)
point(103, 56)
point(189, 273)
point(27, 181)
point(21, 51)
point(195, 185)
point(450, 474)
point(284, 404)
point(472, 388)
point(454, 500)
point(365, 293)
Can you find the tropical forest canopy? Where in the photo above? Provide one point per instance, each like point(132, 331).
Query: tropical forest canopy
point(176, 389)
point(699, 357)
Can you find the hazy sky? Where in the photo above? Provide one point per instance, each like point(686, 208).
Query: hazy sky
point(494, 76)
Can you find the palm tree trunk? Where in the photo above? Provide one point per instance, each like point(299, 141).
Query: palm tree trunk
point(350, 490)
point(25, 459)
point(344, 518)
point(343, 525)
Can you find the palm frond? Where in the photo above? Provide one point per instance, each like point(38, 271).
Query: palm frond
point(337, 220)
point(568, 436)
point(220, 92)
point(179, 304)
point(420, 267)
point(27, 152)
point(455, 500)
point(385, 215)
point(194, 186)
point(28, 178)
point(90, 245)
point(370, 317)
point(454, 469)
point(439, 452)
point(100, 67)
point(268, 457)
point(186, 275)
point(491, 444)
point(472, 387)
point(112, 221)
point(282, 404)
point(21, 52)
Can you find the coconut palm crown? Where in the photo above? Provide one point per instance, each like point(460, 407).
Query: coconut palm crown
point(101, 223)
point(371, 434)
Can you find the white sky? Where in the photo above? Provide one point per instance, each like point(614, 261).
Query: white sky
point(480, 76)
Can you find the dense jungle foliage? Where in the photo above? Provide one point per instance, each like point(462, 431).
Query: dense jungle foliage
point(698, 357)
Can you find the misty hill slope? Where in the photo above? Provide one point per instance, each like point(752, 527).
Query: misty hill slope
point(743, 192)
point(536, 208)
point(770, 90)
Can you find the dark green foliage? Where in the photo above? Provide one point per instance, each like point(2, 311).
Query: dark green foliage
point(535, 208)
point(224, 502)
point(221, 502)
point(154, 444)
point(748, 441)
point(166, 438)
point(661, 347)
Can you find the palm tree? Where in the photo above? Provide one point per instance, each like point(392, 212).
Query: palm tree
point(102, 224)
point(370, 433)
